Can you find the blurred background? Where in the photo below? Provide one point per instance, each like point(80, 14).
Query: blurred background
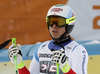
point(26, 21)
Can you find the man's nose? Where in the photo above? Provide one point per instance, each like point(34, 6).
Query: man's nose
point(54, 25)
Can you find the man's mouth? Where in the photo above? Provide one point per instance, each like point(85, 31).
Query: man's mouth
point(54, 31)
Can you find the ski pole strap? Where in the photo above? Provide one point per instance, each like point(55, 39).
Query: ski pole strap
point(66, 68)
point(20, 65)
point(14, 41)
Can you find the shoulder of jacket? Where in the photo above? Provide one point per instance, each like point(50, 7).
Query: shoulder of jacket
point(43, 44)
point(77, 46)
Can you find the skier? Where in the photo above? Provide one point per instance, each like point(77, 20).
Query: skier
point(71, 57)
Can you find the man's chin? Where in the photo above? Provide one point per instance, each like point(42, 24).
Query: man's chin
point(55, 37)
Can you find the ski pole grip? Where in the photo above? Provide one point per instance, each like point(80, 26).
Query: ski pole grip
point(14, 41)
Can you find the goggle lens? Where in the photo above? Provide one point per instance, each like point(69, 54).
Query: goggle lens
point(59, 21)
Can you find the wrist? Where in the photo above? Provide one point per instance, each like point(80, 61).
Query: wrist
point(66, 68)
point(21, 65)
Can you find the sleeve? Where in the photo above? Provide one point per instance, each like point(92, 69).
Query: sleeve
point(34, 66)
point(23, 70)
point(70, 72)
point(79, 60)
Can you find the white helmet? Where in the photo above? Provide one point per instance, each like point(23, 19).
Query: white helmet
point(65, 12)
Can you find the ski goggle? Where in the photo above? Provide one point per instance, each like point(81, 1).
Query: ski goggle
point(59, 21)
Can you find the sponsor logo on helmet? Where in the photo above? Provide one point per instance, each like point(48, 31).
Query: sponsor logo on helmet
point(71, 14)
point(56, 10)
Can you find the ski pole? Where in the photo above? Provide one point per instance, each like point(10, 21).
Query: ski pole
point(4, 44)
point(57, 68)
point(14, 42)
point(56, 64)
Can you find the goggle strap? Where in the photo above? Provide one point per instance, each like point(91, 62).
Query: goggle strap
point(70, 20)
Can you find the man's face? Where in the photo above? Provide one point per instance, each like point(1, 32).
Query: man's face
point(56, 31)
